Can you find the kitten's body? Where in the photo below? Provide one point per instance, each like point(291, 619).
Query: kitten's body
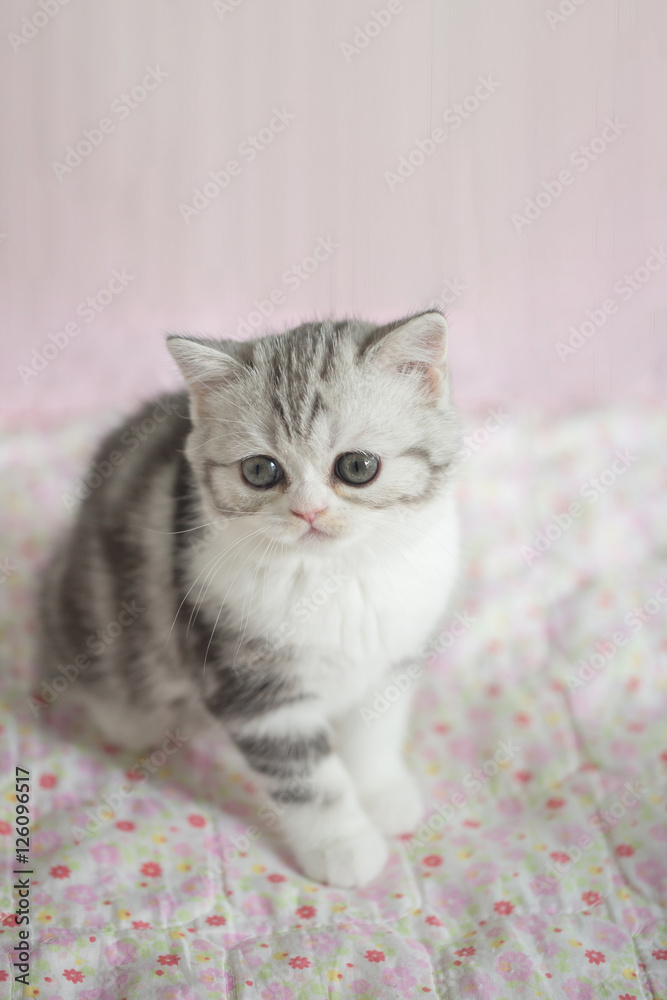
point(237, 611)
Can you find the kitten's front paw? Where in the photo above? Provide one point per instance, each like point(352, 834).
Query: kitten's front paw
point(396, 807)
point(348, 861)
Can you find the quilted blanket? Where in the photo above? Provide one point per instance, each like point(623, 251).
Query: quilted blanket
point(539, 739)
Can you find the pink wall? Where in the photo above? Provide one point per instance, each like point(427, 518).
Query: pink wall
point(553, 82)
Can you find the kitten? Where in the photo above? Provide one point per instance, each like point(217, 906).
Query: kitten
point(281, 540)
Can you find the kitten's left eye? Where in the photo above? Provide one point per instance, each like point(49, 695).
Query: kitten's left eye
point(357, 467)
point(261, 471)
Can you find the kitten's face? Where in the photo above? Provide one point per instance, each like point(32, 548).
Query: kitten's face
point(324, 434)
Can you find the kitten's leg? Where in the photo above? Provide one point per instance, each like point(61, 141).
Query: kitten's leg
point(313, 794)
point(372, 750)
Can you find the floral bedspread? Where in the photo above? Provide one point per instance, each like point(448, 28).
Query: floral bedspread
point(540, 740)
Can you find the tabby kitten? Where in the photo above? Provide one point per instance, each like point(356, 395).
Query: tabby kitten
point(285, 539)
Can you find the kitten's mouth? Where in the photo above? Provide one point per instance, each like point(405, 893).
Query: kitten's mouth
point(315, 534)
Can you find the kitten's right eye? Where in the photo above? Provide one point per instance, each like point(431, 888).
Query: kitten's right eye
point(261, 471)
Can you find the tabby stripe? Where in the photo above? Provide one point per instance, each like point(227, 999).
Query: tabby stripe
point(283, 756)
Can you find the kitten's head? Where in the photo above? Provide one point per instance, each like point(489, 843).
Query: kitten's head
point(320, 433)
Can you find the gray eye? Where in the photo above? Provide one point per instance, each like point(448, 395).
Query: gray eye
point(261, 471)
point(357, 467)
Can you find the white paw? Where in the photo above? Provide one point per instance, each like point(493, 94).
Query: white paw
point(348, 861)
point(396, 807)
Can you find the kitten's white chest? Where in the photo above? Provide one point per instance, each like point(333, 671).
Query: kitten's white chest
point(350, 616)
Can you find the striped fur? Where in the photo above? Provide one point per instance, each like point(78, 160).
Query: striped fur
point(188, 594)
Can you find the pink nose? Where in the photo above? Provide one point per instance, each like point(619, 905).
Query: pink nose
point(309, 515)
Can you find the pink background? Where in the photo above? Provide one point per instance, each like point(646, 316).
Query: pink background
point(355, 114)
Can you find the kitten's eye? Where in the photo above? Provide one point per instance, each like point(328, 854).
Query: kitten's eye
point(261, 471)
point(357, 467)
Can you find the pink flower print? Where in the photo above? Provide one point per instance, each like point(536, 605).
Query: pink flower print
point(503, 907)
point(609, 935)
point(45, 842)
point(81, 894)
point(432, 860)
point(325, 944)
point(652, 871)
point(60, 936)
point(178, 993)
point(514, 966)
point(400, 978)
point(151, 869)
point(476, 986)
point(73, 975)
point(182, 850)
point(299, 962)
point(482, 873)
point(510, 806)
point(637, 917)
point(211, 976)
point(120, 953)
point(277, 991)
point(360, 986)
point(60, 871)
point(257, 906)
point(453, 900)
point(105, 854)
point(576, 990)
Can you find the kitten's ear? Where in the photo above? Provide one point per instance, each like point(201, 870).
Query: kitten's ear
point(205, 367)
point(417, 348)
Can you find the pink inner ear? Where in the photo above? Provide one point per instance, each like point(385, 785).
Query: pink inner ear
point(418, 351)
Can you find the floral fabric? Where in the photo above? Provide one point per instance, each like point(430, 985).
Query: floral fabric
point(539, 740)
